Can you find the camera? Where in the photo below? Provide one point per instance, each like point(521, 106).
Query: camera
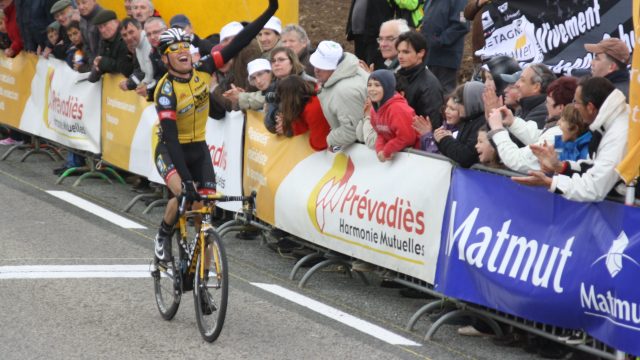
point(271, 97)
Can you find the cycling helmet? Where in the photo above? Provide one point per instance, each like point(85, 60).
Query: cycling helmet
point(171, 36)
point(502, 65)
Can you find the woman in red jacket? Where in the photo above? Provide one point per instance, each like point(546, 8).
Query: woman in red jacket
point(300, 111)
point(391, 115)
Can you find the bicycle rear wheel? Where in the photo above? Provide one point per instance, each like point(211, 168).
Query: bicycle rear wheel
point(166, 281)
point(211, 291)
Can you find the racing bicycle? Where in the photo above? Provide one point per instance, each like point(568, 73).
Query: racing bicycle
point(198, 263)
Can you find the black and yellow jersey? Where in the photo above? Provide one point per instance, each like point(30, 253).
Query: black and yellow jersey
point(186, 101)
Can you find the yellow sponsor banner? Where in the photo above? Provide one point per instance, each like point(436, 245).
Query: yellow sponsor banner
point(268, 159)
point(15, 86)
point(207, 17)
point(121, 113)
point(629, 168)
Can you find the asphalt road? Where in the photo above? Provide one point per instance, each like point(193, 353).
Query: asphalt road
point(77, 316)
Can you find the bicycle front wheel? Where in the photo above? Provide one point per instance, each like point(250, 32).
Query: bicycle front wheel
point(166, 281)
point(210, 291)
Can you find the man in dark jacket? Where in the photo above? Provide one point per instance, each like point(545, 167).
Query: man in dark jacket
point(365, 18)
point(33, 19)
point(423, 91)
point(444, 27)
point(610, 59)
point(532, 85)
point(90, 35)
point(113, 55)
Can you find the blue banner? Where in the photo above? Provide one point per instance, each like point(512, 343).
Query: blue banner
point(533, 254)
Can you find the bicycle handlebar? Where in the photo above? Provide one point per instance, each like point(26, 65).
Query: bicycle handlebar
point(251, 199)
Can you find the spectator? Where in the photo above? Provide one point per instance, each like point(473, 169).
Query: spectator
point(573, 143)
point(136, 40)
point(284, 63)
point(559, 95)
point(604, 108)
point(487, 151)
point(444, 28)
point(610, 59)
point(153, 28)
point(461, 149)
point(91, 36)
point(532, 85)
point(5, 41)
point(260, 77)
point(63, 12)
point(204, 46)
point(142, 10)
point(391, 115)
point(233, 74)
point(33, 17)
point(300, 111)
point(423, 92)
point(343, 92)
point(390, 30)
point(54, 41)
point(113, 56)
point(295, 38)
point(269, 36)
point(363, 25)
point(229, 31)
point(128, 8)
point(76, 58)
point(11, 25)
point(473, 12)
point(425, 129)
point(410, 11)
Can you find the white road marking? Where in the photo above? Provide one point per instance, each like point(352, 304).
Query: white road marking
point(96, 210)
point(74, 271)
point(335, 314)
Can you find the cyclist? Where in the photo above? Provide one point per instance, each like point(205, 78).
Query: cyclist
point(182, 102)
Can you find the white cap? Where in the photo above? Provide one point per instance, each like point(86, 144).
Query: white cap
point(193, 50)
point(258, 65)
point(274, 24)
point(229, 30)
point(327, 55)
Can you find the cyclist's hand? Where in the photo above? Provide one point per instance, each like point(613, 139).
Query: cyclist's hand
point(190, 191)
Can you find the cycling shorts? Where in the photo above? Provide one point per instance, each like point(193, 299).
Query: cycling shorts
point(197, 159)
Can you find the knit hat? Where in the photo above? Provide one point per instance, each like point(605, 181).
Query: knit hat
point(258, 65)
point(274, 24)
point(229, 30)
point(613, 47)
point(388, 82)
point(54, 26)
point(327, 55)
point(103, 16)
point(180, 21)
point(59, 6)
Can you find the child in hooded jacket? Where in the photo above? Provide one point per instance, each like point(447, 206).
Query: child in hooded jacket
point(391, 115)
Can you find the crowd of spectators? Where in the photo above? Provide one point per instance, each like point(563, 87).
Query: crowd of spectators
point(399, 90)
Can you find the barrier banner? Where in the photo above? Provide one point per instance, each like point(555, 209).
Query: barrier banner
point(349, 201)
point(535, 31)
point(224, 138)
point(530, 253)
point(15, 80)
point(128, 131)
point(63, 107)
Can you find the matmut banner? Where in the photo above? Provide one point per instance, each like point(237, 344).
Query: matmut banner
point(531, 253)
point(130, 136)
point(349, 201)
point(15, 80)
point(535, 31)
point(63, 107)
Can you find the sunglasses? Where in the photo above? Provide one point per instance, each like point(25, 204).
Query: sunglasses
point(176, 47)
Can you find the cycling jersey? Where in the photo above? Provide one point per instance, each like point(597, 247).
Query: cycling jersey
point(187, 102)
